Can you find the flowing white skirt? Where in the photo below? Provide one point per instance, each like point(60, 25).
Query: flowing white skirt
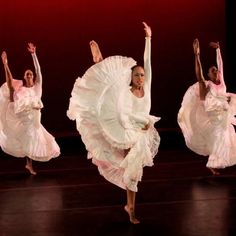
point(209, 132)
point(101, 109)
point(22, 134)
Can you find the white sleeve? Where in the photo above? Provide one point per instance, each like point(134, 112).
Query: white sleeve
point(147, 63)
point(139, 120)
point(38, 80)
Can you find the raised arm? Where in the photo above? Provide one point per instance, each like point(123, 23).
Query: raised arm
point(38, 79)
point(147, 55)
point(198, 70)
point(8, 75)
point(219, 61)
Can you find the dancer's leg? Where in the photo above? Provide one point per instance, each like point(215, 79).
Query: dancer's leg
point(130, 206)
point(29, 166)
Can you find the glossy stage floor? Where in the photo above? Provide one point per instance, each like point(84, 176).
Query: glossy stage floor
point(178, 196)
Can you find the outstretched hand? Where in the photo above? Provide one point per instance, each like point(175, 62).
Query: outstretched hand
point(196, 47)
point(4, 58)
point(147, 30)
point(214, 45)
point(31, 48)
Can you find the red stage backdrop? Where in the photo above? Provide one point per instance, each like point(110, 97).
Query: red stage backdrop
point(62, 29)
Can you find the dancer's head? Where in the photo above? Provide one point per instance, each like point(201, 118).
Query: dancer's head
point(29, 78)
point(137, 76)
point(213, 75)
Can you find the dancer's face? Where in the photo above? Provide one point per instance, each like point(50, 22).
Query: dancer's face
point(138, 77)
point(29, 78)
point(213, 75)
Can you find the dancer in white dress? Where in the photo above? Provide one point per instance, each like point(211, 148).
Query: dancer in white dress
point(206, 116)
point(111, 105)
point(21, 131)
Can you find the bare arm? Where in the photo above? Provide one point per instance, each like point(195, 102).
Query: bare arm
point(216, 45)
point(198, 70)
point(8, 75)
point(219, 60)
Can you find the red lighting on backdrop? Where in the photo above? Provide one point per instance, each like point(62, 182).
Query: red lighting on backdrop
point(61, 30)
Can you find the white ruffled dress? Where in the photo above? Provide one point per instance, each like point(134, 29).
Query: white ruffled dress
point(207, 125)
point(21, 131)
point(110, 119)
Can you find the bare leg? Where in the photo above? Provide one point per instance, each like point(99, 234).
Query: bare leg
point(29, 166)
point(97, 55)
point(130, 207)
point(214, 171)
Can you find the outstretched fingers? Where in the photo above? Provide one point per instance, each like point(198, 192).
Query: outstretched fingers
point(31, 48)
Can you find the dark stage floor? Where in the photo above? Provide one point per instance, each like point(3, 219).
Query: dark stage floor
point(178, 196)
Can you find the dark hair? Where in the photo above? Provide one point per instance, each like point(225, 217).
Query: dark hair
point(132, 68)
